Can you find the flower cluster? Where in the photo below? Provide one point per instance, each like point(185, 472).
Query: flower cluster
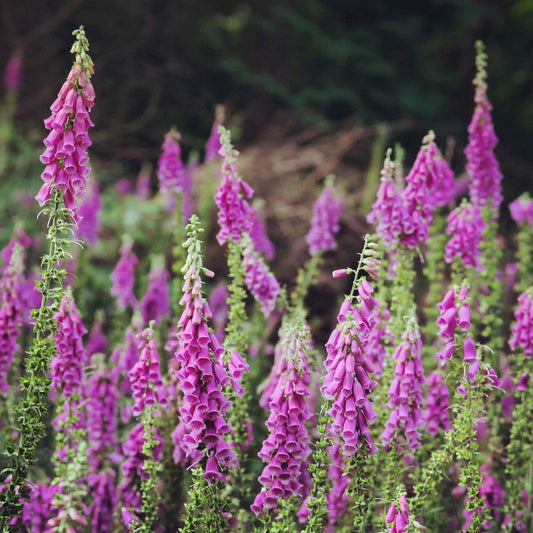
point(201, 376)
point(233, 209)
point(156, 303)
point(286, 449)
point(145, 376)
point(466, 226)
point(405, 392)
point(379, 339)
point(258, 235)
point(437, 404)
point(522, 330)
point(521, 209)
point(90, 206)
point(325, 222)
point(398, 518)
point(66, 368)
point(170, 169)
point(65, 156)
point(123, 277)
point(347, 382)
point(482, 166)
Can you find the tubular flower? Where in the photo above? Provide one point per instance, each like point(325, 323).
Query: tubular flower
point(522, 209)
point(90, 207)
point(286, 449)
point(437, 404)
point(259, 280)
point(65, 156)
point(201, 375)
point(522, 330)
point(10, 310)
point(418, 196)
point(387, 211)
point(258, 234)
point(446, 189)
point(380, 337)
point(405, 392)
point(39, 508)
point(347, 382)
point(145, 376)
point(104, 500)
point(465, 225)
point(399, 519)
point(66, 368)
point(219, 307)
point(170, 169)
point(156, 302)
point(233, 208)
point(327, 212)
point(123, 277)
point(213, 145)
point(481, 165)
point(97, 341)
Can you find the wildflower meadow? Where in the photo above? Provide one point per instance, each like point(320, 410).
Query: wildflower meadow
point(164, 394)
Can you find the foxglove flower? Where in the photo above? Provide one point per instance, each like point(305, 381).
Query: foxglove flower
point(97, 341)
point(156, 302)
point(405, 392)
point(104, 500)
point(337, 498)
point(10, 307)
point(213, 145)
point(66, 368)
point(398, 518)
point(347, 382)
point(482, 166)
point(201, 376)
point(65, 156)
point(123, 277)
point(327, 212)
point(259, 280)
point(521, 209)
point(522, 330)
point(380, 337)
point(170, 170)
point(233, 208)
point(437, 404)
point(89, 223)
point(260, 240)
point(38, 509)
point(286, 448)
point(465, 225)
point(219, 307)
point(446, 188)
point(13, 73)
point(145, 376)
point(142, 186)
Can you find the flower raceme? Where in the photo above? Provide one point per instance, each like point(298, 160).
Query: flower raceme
point(123, 277)
point(65, 156)
point(522, 330)
point(170, 170)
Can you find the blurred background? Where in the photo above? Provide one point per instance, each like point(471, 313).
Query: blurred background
point(310, 87)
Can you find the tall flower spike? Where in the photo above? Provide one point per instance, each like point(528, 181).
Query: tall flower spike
point(201, 376)
point(170, 170)
point(65, 156)
point(213, 145)
point(90, 207)
point(327, 212)
point(465, 225)
point(482, 166)
point(123, 277)
point(522, 330)
point(156, 302)
point(233, 208)
point(405, 392)
point(286, 449)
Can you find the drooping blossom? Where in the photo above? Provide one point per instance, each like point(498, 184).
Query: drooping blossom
point(170, 169)
point(133, 472)
point(387, 211)
point(101, 486)
point(258, 234)
point(233, 208)
point(30, 297)
point(65, 156)
point(38, 509)
point(145, 376)
point(259, 280)
point(446, 188)
point(286, 448)
point(405, 392)
point(10, 307)
point(521, 209)
point(481, 163)
point(398, 518)
point(156, 302)
point(437, 414)
point(347, 382)
point(522, 330)
point(200, 432)
point(213, 145)
point(327, 212)
point(13, 72)
point(123, 277)
point(466, 226)
point(90, 207)
point(66, 368)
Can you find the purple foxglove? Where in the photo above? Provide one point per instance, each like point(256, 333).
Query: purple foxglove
point(123, 277)
point(156, 302)
point(437, 404)
point(170, 170)
point(522, 330)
